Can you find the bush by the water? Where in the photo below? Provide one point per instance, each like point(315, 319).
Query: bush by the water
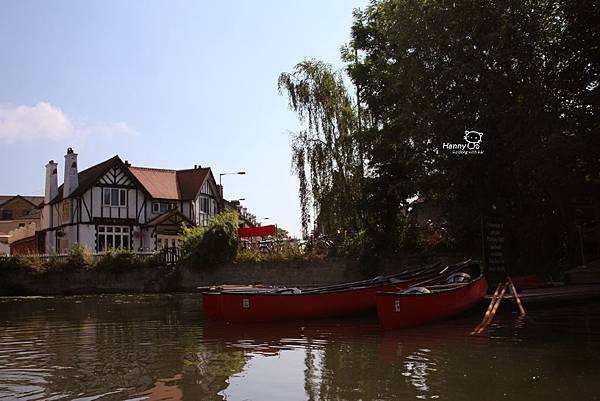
point(214, 244)
point(80, 258)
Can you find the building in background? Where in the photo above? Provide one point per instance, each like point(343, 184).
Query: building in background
point(116, 205)
point(17, 211)
point(247, 219)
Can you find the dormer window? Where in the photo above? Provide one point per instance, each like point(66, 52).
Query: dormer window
point(114, 197)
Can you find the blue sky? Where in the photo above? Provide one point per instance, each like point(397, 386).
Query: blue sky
point(162, 84)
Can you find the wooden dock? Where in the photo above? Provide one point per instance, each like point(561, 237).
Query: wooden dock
point(557, 293)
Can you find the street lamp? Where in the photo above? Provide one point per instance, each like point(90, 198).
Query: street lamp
point(221, 185)
point(222, 174)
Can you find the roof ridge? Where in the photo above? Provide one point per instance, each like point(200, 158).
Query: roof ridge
point(154, 168)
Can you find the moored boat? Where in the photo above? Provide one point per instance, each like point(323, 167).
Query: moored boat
point(437, 299)
point(274, 304)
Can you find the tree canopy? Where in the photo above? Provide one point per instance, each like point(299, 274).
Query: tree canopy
point(525, 74)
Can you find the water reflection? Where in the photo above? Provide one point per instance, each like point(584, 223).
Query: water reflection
point(159, 347)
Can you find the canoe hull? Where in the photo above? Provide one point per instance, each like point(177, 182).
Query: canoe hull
point(332, 301)
point(397, 310)
point(211, 304)
point(278, 307)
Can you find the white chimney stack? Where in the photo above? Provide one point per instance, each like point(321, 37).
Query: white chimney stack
point(51, 181)
point(71, 176)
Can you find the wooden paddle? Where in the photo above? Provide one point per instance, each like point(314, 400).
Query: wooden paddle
point(492, 308)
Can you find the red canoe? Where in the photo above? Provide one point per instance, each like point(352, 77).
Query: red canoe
point(264, 305)
point(436, 299)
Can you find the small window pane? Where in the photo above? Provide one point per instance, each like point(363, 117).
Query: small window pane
point(125, 229)
point(117, 229)
point(101, 243)
point(101, 229)
point(114, 197)
point(109, 241)
point(106, 196)
point(123, 203)
point(117, 241)
point(109, 229)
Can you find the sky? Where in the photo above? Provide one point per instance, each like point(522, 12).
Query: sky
point(165, 84)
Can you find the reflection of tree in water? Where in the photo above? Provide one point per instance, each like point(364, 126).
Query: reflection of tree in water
point(312, 373)
point(349, 371)
point(208, 369)
point(417, 368)
point(89, 346)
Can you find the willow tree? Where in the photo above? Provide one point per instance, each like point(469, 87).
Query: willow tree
point(325, 153)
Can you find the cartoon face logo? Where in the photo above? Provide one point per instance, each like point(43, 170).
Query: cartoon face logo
point(473, 136)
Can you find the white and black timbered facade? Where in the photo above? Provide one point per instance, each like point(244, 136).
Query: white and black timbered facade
point(116, 205)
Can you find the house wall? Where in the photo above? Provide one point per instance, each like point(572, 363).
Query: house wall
point(148, 240)
point(78, 217)
point(87, 236)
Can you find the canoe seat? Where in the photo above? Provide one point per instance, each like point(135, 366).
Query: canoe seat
point(416, 290)
point(458, 278)
point(292, 290)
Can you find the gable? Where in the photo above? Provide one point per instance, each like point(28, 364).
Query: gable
point(170, 218)
point(115, 176)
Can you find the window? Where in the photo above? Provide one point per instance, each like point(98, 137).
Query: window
point(161, 207)
point(25, 212)
point(114, 197)
point(113, 237)
point(7, 214)
point(204, 205)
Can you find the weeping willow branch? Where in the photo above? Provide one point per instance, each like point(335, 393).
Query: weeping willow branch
point(325, 155)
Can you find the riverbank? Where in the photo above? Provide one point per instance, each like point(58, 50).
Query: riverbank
point(299, 273)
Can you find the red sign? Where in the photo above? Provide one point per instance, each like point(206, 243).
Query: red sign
point(257, 231)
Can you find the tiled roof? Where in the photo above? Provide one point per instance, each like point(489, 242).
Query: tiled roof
point(35, 200)
point(159, 183)
point(171, 184)
point(190, 181)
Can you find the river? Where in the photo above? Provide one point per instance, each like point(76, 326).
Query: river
point(160, 347)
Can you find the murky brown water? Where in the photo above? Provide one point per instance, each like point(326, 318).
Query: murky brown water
point(159, 347)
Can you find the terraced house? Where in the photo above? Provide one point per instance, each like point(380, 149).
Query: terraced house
point(116, 205)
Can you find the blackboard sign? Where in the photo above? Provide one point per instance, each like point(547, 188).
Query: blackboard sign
point(494, 244)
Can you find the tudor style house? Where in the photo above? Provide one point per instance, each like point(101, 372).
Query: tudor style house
point(116, 205)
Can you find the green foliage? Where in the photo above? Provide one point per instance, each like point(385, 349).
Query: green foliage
point(214, 244)
point(118, 260)
point(281, 252)
point(518, 72)
point(523, 73)
point(282, 233)
point(79, 257)
point(326, 155)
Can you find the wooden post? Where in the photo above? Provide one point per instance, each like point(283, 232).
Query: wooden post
point(516, 295)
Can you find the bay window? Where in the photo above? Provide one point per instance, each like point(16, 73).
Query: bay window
point(113, 237)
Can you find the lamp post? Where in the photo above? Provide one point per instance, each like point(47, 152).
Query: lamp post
point(221, 185)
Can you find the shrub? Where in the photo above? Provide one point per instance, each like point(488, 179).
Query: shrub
point(79, 257)
point(214, 244)
point(279, 252)
point(117, 260)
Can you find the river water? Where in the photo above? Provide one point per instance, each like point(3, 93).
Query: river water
point(160, 347)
